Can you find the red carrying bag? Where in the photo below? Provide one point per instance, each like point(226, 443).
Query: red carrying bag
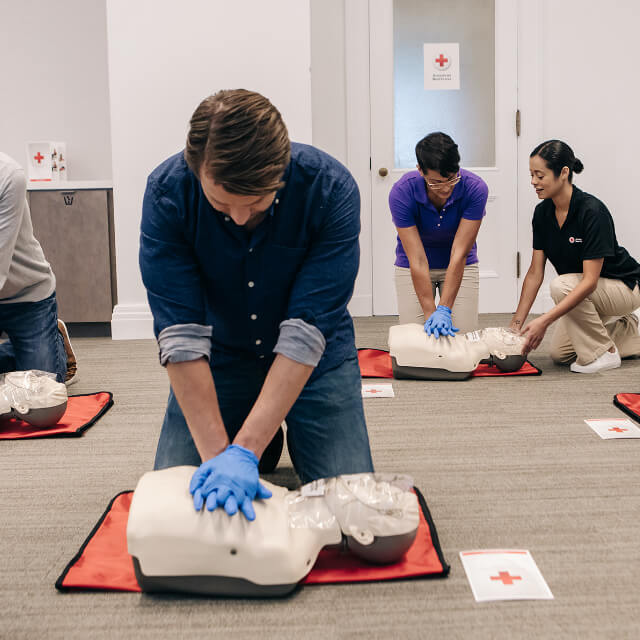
point(376, 363)
point(82, 412)
point(629, 403)
point(103, 562)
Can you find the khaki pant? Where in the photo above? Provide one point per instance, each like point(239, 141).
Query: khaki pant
point(465, 308)
point(601, 320)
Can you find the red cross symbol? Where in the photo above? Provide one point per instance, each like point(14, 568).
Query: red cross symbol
point(505, 577)
point(39, 157)
point(618, 429)
point(441, 60)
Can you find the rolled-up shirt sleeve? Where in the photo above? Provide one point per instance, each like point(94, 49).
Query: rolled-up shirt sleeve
point(324, 284)
point(183, 342)
point(172, 279)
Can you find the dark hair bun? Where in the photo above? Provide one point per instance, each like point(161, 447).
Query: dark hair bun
point(577, 166)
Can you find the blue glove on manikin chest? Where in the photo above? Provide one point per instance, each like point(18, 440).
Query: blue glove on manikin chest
point(229, 480)
point(439, 323)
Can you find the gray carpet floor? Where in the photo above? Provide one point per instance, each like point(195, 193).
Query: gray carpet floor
point(502, 462)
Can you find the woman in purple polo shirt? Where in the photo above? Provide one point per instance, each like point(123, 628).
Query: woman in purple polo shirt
point(437, 211)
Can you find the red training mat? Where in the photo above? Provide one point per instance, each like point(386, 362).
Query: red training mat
point(629, 403)
point(82, 412)
point(376, 363)
point(103, 562)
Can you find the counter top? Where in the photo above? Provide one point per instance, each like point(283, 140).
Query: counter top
point(69, 185)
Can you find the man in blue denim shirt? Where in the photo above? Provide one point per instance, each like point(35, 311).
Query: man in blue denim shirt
point(249, 253)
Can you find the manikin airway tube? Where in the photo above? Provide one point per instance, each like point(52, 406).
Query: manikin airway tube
point(27, 390)
point(381, 504)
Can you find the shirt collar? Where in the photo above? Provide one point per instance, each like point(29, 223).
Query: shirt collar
point(576, 196)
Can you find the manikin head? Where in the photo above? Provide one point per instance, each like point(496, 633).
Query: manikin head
point(238, 147)
point(551, 166)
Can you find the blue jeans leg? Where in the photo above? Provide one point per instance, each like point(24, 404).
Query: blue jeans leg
point(237, 387)
point(34, 340)
point(326, 430)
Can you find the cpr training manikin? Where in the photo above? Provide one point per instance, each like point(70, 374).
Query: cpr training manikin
point(416, 355)
point(176, 548)
point(33, 396)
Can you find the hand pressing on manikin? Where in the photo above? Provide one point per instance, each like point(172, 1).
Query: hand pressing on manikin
point(439, 323)
point(229, 480)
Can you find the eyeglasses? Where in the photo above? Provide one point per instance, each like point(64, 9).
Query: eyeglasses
point(443, 185)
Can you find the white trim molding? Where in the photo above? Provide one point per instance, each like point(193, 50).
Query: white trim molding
point(360, 306)
point(132, 322)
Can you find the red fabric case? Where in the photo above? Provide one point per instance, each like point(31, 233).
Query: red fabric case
point(629, 403)
point(103, 563)
point(82, 412)
point(376, 363)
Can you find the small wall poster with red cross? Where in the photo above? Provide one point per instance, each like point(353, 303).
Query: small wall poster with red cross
point(504, 574)
point(441, 65)
point(46, 161)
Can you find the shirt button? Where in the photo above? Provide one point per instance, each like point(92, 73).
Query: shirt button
point(277, 200)
point(261, 357)
point(258, 341)
point(251, 283)
point(254, 316)
point(250, 249)
point(438, 224)
point(440, 217)
point(227, 218)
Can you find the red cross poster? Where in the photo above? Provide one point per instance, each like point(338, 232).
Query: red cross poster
point(47, 161)
point(441, 65)
point(504, 574)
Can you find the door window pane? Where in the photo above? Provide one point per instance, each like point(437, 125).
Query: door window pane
point(467, 114)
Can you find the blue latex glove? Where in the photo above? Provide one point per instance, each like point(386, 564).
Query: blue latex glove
point(229, 480)
point(439, 323)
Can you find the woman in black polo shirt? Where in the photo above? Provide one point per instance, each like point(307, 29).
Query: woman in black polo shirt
point(597, 288)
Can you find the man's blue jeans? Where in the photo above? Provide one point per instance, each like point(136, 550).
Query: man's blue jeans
point(326, 431)
point(34, 340)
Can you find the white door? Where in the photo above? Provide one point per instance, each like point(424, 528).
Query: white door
point(480, 117)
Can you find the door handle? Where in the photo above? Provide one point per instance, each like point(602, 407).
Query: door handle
point(383, 171)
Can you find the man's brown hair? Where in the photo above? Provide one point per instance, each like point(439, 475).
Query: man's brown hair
point(238, 138)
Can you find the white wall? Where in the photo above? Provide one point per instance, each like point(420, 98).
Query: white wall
point(54, 82)
point(579, 83)
point(164, 58)
point(338, 96)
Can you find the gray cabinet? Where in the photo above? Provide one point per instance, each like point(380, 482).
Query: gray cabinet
point(75, 229)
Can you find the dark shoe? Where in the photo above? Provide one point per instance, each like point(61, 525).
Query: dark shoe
point(72, 363)
point(272, 453)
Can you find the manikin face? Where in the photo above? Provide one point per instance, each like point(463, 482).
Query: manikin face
point(241, 209)
point(544, 181)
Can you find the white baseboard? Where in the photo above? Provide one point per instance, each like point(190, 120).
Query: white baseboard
point(361, 306)
point(132, 322)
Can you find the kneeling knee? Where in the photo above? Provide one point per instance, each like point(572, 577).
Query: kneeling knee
point(561, 286)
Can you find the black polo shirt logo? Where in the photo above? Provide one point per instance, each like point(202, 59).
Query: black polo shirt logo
point(572, 239)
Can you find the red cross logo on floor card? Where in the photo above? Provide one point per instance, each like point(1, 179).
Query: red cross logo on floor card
point(614, 428)
point(504, 574)
point(379, 390)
